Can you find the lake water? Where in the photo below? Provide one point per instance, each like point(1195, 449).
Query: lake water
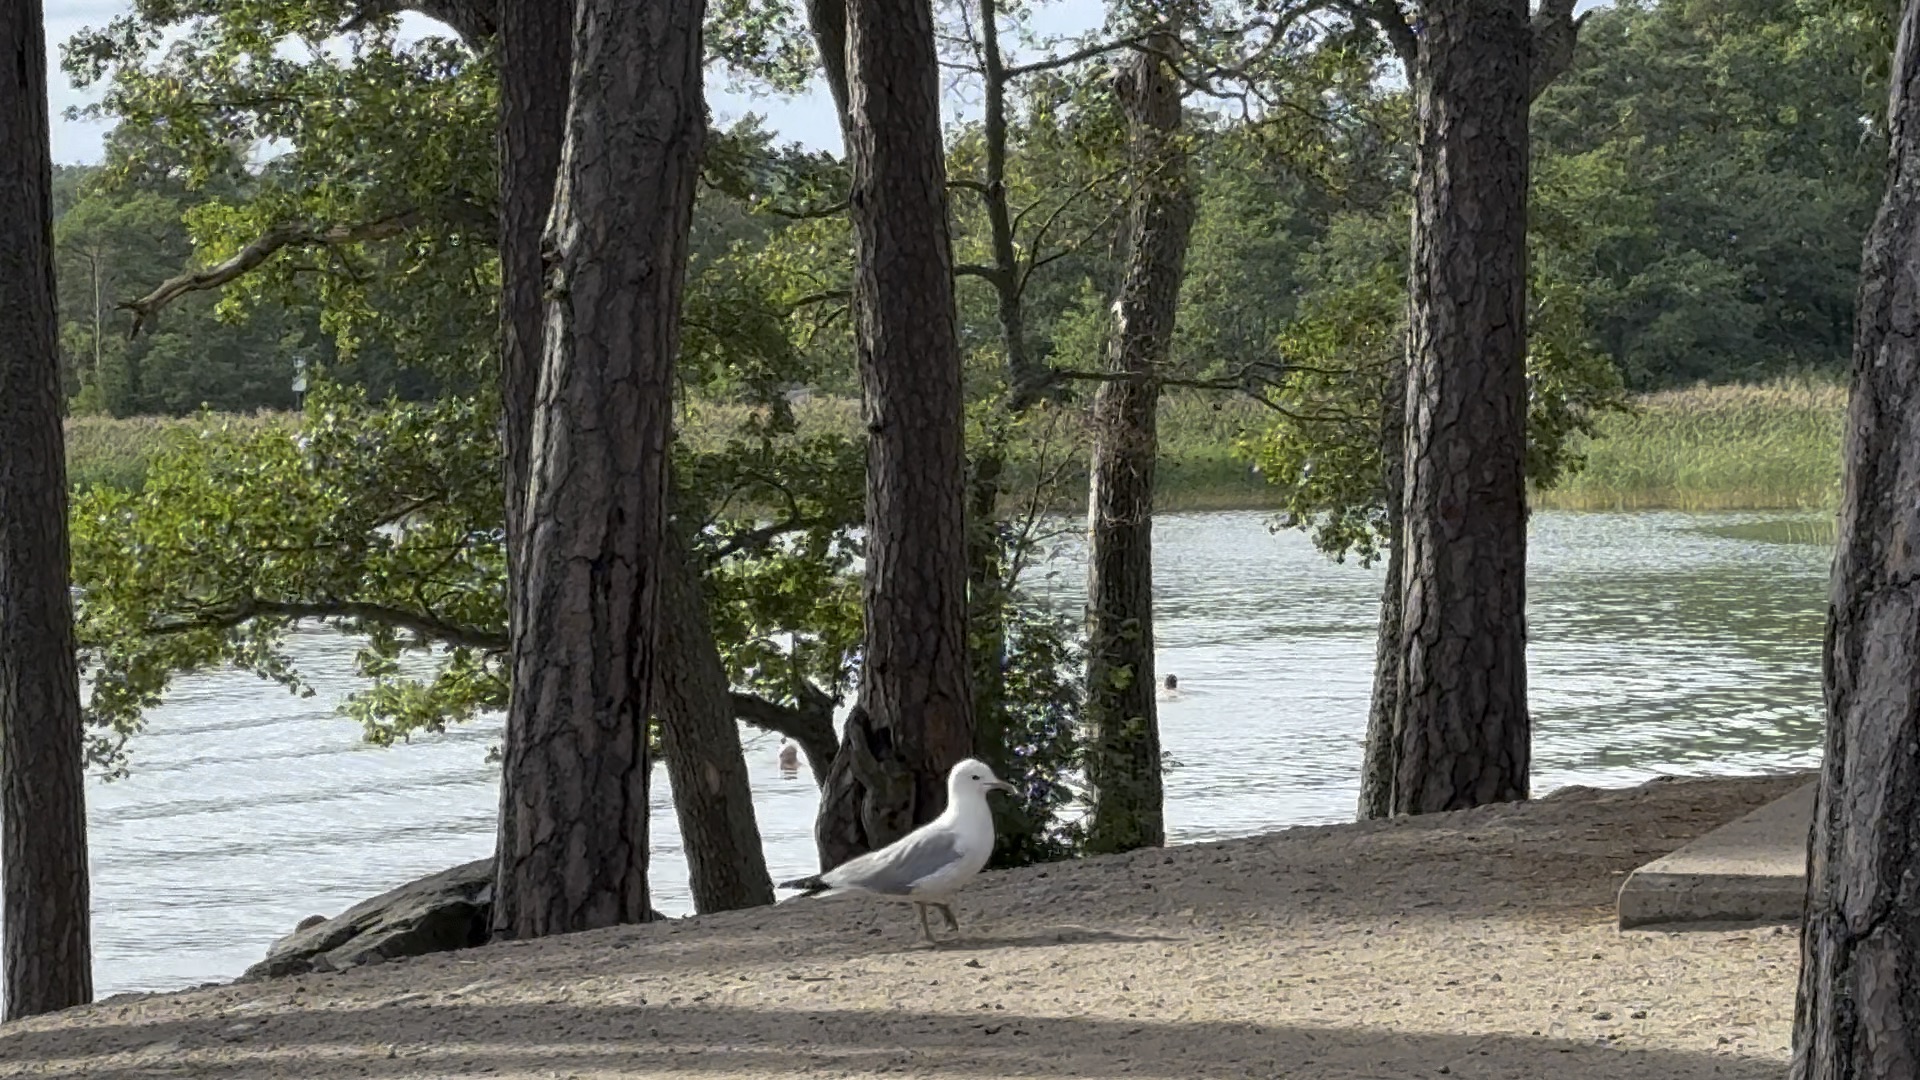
point(1661, 643)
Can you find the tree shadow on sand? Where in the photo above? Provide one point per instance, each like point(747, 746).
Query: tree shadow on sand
point(707, 1039)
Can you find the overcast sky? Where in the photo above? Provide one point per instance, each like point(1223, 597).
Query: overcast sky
point(808, 118)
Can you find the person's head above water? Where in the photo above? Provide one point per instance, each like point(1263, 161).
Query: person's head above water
point(1172, 683)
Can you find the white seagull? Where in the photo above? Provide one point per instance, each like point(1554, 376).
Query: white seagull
point(931, 863)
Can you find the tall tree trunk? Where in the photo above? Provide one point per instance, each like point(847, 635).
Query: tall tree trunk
point(536, 58)
point(1381, 757)
point(914, 718)
point(43, 852)
point(573, 802)
point(726, 863)
point(1554, 32)
point(1464, 732)
point(1858, 1014)
point(1123, 751)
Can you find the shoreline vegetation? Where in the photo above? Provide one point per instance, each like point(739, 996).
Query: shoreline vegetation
point(1771, 446)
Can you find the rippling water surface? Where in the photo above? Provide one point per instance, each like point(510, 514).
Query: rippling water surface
point(1661, 643)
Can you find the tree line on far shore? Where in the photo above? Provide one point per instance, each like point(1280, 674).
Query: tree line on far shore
point(514, 212)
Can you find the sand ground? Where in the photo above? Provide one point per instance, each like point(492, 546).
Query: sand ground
point(1469, 945)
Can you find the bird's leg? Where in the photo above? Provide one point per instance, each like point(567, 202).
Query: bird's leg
point(924, 928)
point(947, 912)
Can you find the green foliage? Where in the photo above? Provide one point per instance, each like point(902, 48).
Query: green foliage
point(1324, 452)
point(1701, 178)
point(1043, 676)
point(1719, 158)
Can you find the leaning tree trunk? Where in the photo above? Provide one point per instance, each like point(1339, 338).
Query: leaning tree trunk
point(726, 862)
point(1123, 725)
point(573, 799)
point(1858, 1015)
point(43, 852)
point(914, 719)
point(1464, 732)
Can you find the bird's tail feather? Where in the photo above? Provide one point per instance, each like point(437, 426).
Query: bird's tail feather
point(807, 885)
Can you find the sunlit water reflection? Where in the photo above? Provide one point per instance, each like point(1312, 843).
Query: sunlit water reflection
point(1660, 644)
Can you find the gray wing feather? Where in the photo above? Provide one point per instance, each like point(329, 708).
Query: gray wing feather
point(895, 869)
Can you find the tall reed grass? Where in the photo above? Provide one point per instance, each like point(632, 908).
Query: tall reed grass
point(1756, 447)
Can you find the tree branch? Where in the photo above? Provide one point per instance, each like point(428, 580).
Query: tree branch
point(989, 273)
point(1386, 15)
point(758, 538)
point(423, 623)
point(1053, 62)
point(809, 724)
point(1555, 33)
point(257, 253)
point(475, 22)
point(810, 212)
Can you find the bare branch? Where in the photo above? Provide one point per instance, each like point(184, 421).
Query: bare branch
point(989, 273)
point(255, 254)
point(1054, 62)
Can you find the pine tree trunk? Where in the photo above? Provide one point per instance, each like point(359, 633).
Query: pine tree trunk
point(1464, 733)
point(1858, 1014)
point(1123, 724)
point(712, 796)
point(914, 718)
point(1381, 755)
point(43, 852)
point(573, 804)
point(536, 58)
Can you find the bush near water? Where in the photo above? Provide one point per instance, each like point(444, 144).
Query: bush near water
point(1772, 446)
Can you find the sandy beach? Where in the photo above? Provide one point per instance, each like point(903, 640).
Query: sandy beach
point(1476, 944)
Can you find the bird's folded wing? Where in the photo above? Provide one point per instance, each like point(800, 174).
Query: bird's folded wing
point(898, 867)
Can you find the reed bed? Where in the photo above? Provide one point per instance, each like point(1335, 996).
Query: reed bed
point(1753, 447)
point(1774, 446)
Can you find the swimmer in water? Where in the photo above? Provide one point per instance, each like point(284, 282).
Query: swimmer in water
point(1170, 688)
point(789, 757)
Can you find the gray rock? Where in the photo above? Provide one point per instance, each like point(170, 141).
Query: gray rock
point(438, 913)
point(441, 912)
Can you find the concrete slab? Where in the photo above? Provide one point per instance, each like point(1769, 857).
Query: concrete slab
point(1752, 870)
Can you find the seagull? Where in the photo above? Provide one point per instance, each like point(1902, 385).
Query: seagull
point(931, 863)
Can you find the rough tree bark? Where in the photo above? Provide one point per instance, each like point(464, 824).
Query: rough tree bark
point(1554, 32)
point(535, 60)
point(712, 796)
point(1858, 1013)
point(573, 803)
point(43, 852)
point(1464, 732)
point(1123, 726)
point(914, 716)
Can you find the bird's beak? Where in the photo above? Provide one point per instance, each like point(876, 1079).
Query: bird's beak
point(1002, 785)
